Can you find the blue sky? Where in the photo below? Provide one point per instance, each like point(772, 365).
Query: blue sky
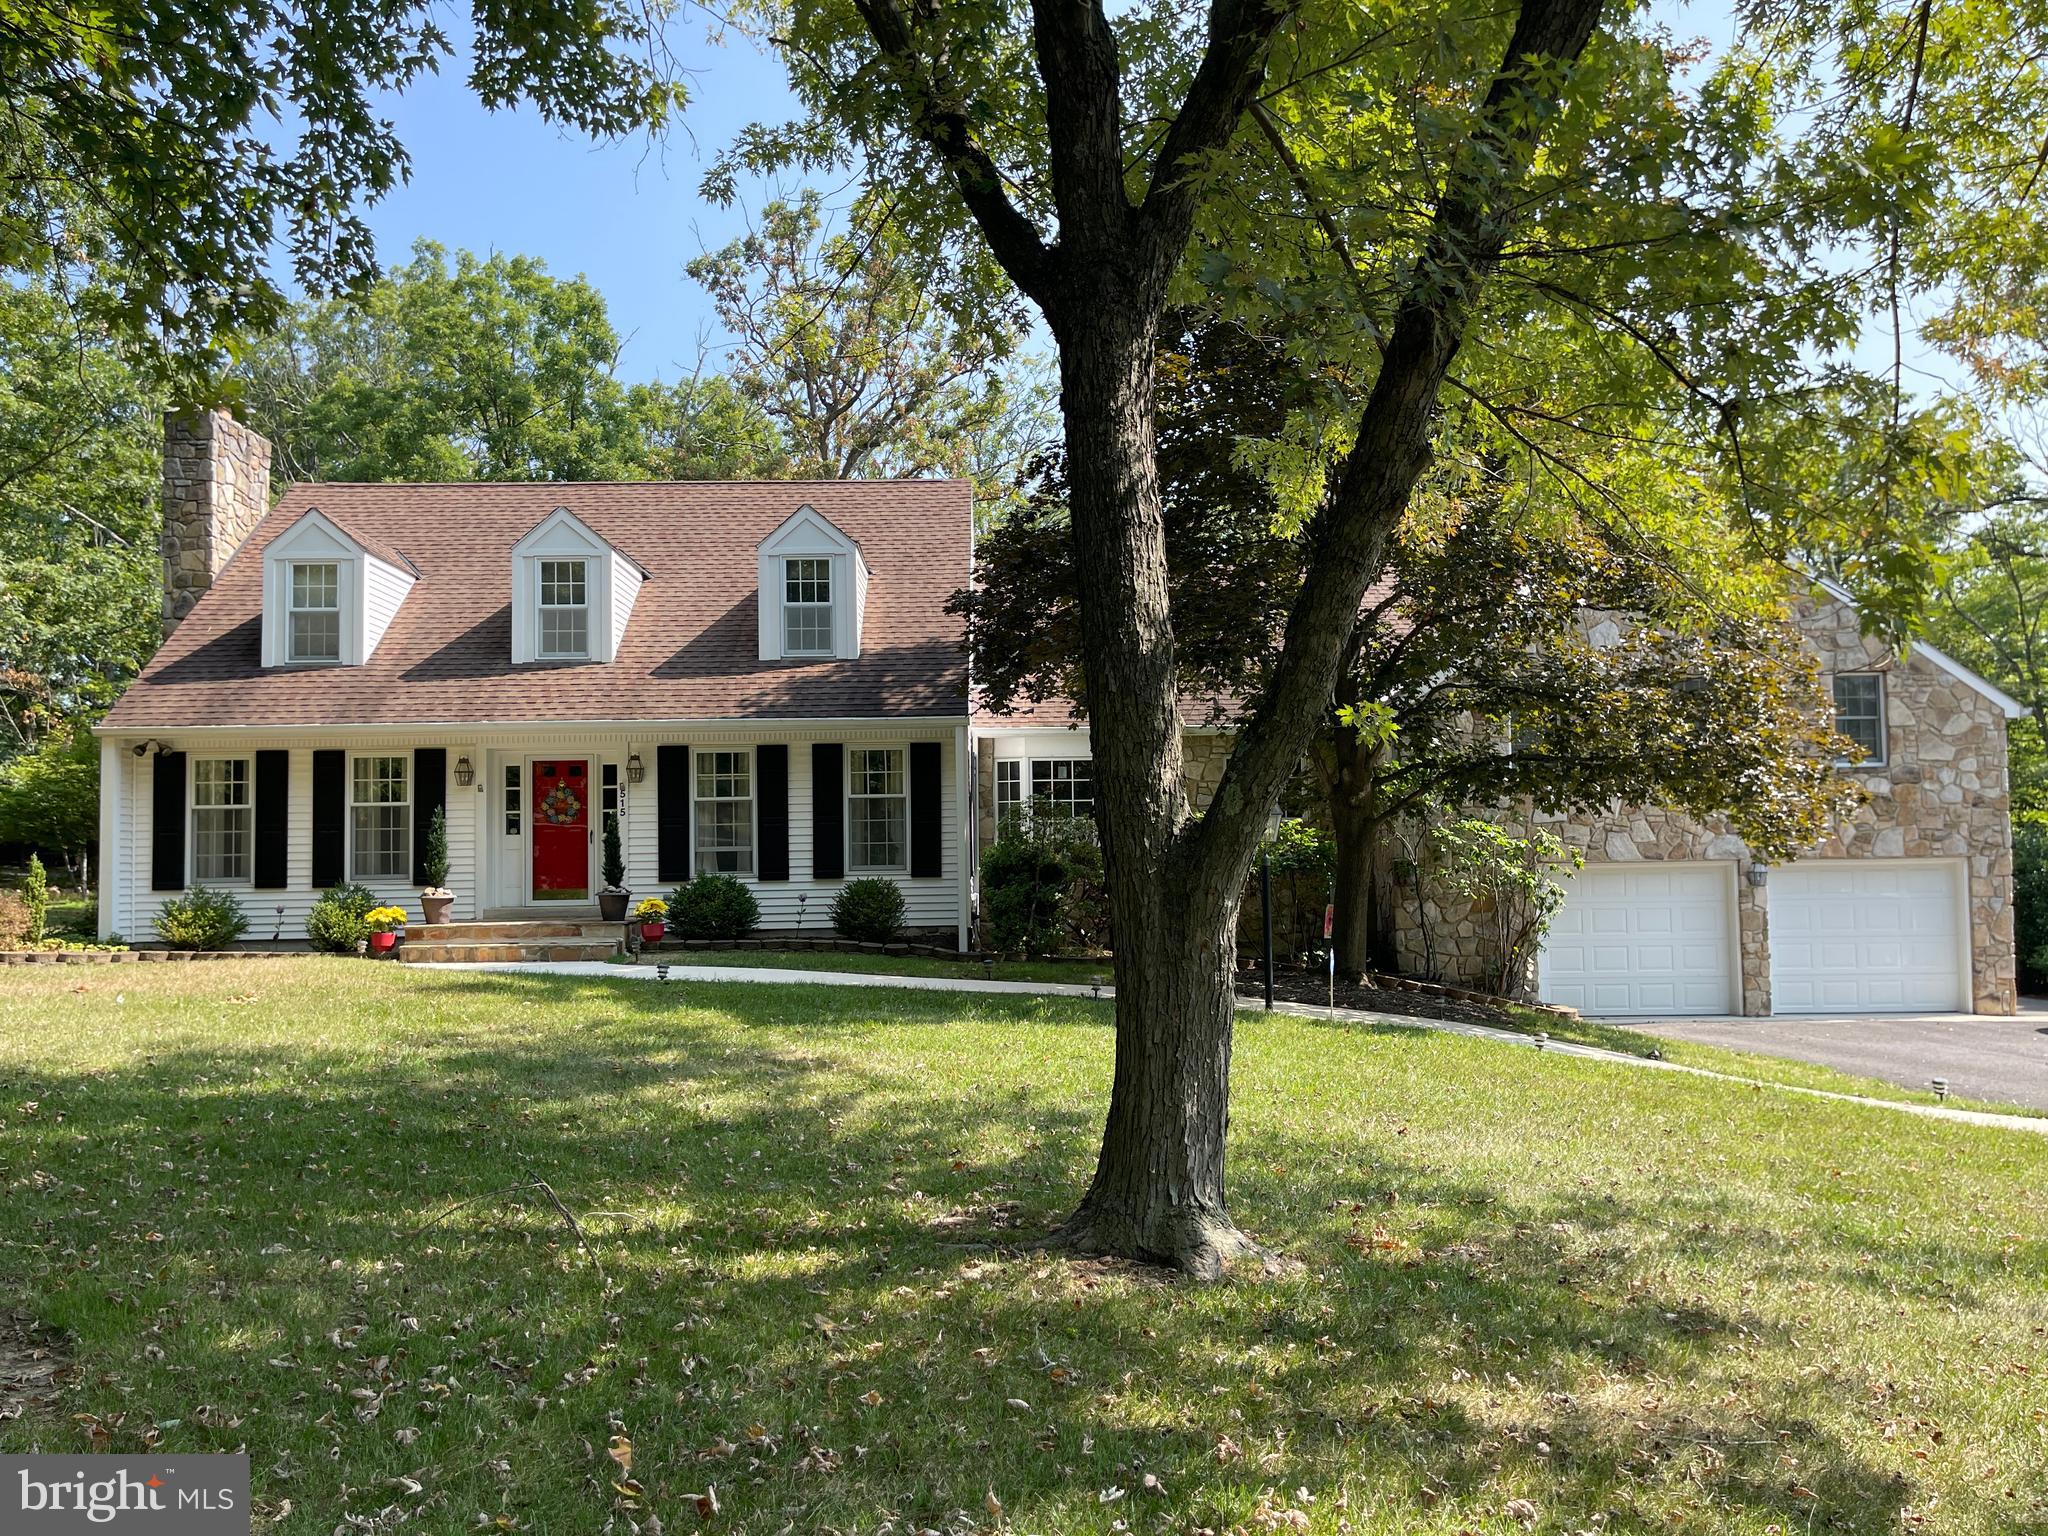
point(625, 215)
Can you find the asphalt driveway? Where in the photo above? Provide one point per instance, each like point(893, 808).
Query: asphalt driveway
point(1982, 1058)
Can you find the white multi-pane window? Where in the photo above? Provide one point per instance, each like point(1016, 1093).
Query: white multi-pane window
point(380, 818)
point(1859, 713)
point(877, 810)
point(807, 608)
point(564, 609)
point(315, 614)
point(514, 800)
point(613, 798)
point(1063, 787)
point(725, 813)
point(1009, 792)
point(222, 828)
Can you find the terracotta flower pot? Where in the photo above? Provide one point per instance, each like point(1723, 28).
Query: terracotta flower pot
point(383, 943)
point(436, 907)
point(650, 933)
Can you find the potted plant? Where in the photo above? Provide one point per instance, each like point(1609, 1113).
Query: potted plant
point(652, 914)
point(435, 897)
point(384, 923)
point(611, 901)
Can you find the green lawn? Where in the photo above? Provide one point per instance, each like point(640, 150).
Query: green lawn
point(1530, 1292)
point(1074, 972)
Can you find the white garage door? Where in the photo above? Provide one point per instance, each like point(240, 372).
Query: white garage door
point(1866, 936)
point(1643, 938)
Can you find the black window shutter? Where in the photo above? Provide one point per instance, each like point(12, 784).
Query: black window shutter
point(273, 818)
point(330, 818)
point(828, 810)
point(927, 826)
point(771, 789)
point(672, 814)
point(167, 824)
point(429, 794)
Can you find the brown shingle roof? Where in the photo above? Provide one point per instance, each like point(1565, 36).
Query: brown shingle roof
point(691, 650)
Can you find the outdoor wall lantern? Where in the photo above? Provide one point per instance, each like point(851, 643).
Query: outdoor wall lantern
point(464, 774)
point(635, 769)
point(1759, 875)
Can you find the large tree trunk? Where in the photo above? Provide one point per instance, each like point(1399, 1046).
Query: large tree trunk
point(1158, 1187)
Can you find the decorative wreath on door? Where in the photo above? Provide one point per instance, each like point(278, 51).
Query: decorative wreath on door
point(559, 806)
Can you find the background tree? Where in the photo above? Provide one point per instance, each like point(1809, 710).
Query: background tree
point(49, 798)
point(704, 428)
point(479, 369)
point(138, 140)
point(839, 337)
point(1473, 677)
point(80, 449)
point(1402, 200)
point(1992, 614)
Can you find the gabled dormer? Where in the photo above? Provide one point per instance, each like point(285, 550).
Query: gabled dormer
point(328, 596)
point(572, 592)
point(813, 589)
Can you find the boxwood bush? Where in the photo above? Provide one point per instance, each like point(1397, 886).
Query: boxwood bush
point(712, 907)
point(869, 909)
point(202, 918)
point(336, 921)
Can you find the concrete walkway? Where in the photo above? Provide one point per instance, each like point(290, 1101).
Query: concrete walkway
point(681, 975)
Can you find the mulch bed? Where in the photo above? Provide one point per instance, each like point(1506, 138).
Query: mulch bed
point(1412, 999)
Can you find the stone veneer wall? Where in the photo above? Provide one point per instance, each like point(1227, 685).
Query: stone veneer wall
point(216, 490)
point(1942, 793)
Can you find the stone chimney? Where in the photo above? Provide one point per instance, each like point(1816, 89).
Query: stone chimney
point(216, 490)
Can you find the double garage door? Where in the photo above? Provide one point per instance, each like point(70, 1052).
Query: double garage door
point(1847, 936)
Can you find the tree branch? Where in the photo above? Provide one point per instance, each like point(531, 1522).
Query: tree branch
point(1396, 429)
point(943, 125)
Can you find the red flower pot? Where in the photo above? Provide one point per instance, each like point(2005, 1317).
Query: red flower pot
point(650, 933)
point(383, 943)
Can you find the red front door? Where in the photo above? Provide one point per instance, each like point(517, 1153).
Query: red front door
point(561, 830)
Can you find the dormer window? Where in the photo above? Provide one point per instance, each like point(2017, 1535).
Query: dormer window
point(572, 592)
point(564, 610)
point(813, 592)
point(807, 608)
point(329, 593)
point(315, 621)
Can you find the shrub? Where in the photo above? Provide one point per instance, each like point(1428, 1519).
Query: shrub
point(14, 921)
point(2030, 902)
point(614, 856)
point(1024, 880)
point(336, 923)
point(713, 907)
point(35, 895)
point(869, 909)
point(202, 918)
point(435, 865)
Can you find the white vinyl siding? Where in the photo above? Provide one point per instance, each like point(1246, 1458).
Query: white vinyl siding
point(315, 615)
point(380, 818)
point(222, 825)
point(724, 785)
point(877, 811)
point(807, 608)
point(564, 610)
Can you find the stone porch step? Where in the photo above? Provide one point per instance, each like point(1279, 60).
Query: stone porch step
point(557, 947)
point(509, 931)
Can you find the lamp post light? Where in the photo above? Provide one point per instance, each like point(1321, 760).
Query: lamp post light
point(1266, 893)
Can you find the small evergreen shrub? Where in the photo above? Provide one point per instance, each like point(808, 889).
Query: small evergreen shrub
point(614, 856)
point(202, 918)
point(869, 909)
point(435, 866)
point(713, 907)
point(2030, 902)
point(35, 894)
point(1024, 880)
point(13, 921)
point(337, 921)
